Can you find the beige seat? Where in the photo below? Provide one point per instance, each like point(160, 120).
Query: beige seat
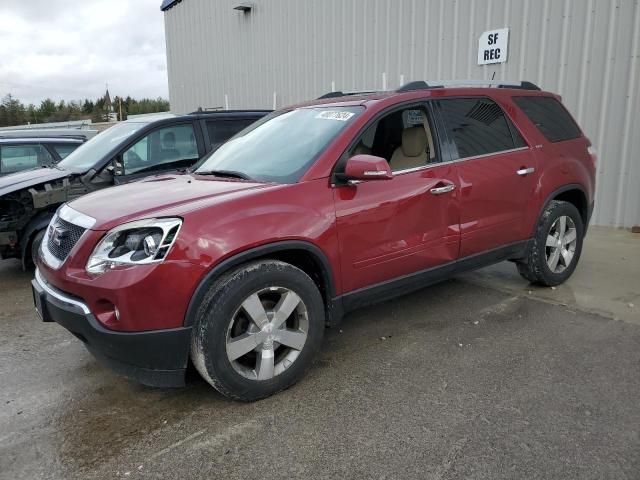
point(413, 151)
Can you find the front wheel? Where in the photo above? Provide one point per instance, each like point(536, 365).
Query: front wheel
point(556, 247)
point(35, 248)
point(258, 330)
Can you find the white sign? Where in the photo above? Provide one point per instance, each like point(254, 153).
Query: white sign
point(492, 46)
point(335, 115)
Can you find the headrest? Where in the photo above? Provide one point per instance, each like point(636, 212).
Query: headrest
point(414, 141)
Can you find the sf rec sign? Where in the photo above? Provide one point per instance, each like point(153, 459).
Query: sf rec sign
point(492, 46)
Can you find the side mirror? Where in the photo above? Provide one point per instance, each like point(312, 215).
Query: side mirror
point(362, 168)
point(117, 167)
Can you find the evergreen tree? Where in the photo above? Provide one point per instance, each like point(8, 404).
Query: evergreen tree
point(87, 106)
point(13, 112)
point(46, 110)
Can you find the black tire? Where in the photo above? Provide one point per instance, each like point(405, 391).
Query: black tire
point(534, 267)
point(33, 251)
point(217, 310)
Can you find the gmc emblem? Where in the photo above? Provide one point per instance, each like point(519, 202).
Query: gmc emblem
point(58, 235)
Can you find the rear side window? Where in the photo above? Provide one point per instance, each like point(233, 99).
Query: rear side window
point(14, 158)
point(64, 149)
point(478, 126)
point(551, 118)
point(222, 130)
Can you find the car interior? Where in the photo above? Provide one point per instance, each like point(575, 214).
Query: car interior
point(404, 138)
point(162, 147)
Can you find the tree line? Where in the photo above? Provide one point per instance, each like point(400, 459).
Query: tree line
point(14, 112)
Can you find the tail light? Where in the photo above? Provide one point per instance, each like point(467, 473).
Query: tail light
point(592, 153)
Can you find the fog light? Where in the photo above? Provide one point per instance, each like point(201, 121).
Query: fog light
point(106, 313)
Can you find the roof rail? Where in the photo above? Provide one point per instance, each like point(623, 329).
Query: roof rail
point(524, 85)
point(422, 85)
point(417, 85)
point(222, 111)
point(345, 94)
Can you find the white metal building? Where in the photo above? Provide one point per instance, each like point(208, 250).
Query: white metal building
point(266, 53)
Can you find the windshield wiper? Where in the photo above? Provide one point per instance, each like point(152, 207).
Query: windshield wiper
point(226, 173)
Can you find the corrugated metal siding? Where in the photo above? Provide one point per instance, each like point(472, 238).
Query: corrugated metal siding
point(586, 50)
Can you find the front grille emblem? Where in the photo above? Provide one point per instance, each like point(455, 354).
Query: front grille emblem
point(62, 236)
point(58, 235)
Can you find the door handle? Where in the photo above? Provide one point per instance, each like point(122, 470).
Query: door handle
point(525, 171)
point(444, 189)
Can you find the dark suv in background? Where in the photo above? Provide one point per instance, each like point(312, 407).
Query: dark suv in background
point(128, 151)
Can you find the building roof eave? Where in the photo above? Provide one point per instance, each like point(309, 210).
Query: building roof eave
point(167, 4)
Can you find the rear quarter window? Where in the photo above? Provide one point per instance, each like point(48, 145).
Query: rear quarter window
point(64, 149)
point(550, 116)
point(222, 130)
point(478, 126)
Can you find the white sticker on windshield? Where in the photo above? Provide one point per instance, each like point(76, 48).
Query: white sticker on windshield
point(414, 117)
point(335, 115)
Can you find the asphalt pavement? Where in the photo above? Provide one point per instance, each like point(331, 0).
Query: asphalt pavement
point(459, 380)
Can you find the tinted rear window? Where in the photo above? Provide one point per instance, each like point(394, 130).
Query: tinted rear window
point(64, 149)
point(478, 126)
point(551, 118)
point(222, 130)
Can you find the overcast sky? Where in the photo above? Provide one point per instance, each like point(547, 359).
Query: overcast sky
point(69, 49)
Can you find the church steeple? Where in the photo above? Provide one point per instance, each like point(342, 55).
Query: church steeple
point(107, 100)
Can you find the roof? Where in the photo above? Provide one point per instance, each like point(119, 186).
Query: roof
point(151, 118)
point(230, 113)
point(77, 141)
point(167, 4)
point(154, 117)
point(48, 133)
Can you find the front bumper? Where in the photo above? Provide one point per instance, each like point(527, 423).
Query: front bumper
point(156, 358)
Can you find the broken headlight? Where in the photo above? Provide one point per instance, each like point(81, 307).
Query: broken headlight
point(135, 243)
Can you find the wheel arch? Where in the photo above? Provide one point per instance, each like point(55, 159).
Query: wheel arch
point(37, 223)
point(302, 254)
point(574, 194)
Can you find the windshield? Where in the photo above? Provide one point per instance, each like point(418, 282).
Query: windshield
point(282, 146)
point(86, 156)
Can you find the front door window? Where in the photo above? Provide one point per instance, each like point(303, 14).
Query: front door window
point(162, 149)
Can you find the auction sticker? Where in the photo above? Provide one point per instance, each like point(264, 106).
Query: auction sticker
point(335, 115)
point(414, 117)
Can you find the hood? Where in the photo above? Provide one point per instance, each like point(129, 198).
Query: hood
point(29, 178)
point(158, 196)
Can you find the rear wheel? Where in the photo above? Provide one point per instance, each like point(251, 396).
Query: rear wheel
point(258, 330)
point(556, 247)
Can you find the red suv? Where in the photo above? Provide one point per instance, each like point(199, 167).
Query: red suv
point(311, 212)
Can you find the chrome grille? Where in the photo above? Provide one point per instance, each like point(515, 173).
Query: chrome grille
point(62, 237)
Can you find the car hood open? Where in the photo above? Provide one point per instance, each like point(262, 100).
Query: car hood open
point(29, 178)
point(166, 195)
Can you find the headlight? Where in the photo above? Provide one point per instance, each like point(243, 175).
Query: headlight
point(135, 243)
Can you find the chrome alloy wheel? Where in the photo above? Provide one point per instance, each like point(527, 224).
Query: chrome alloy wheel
point(561, 244)
point(267, 333)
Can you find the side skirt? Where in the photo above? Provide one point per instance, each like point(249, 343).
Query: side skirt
point(415, 281)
